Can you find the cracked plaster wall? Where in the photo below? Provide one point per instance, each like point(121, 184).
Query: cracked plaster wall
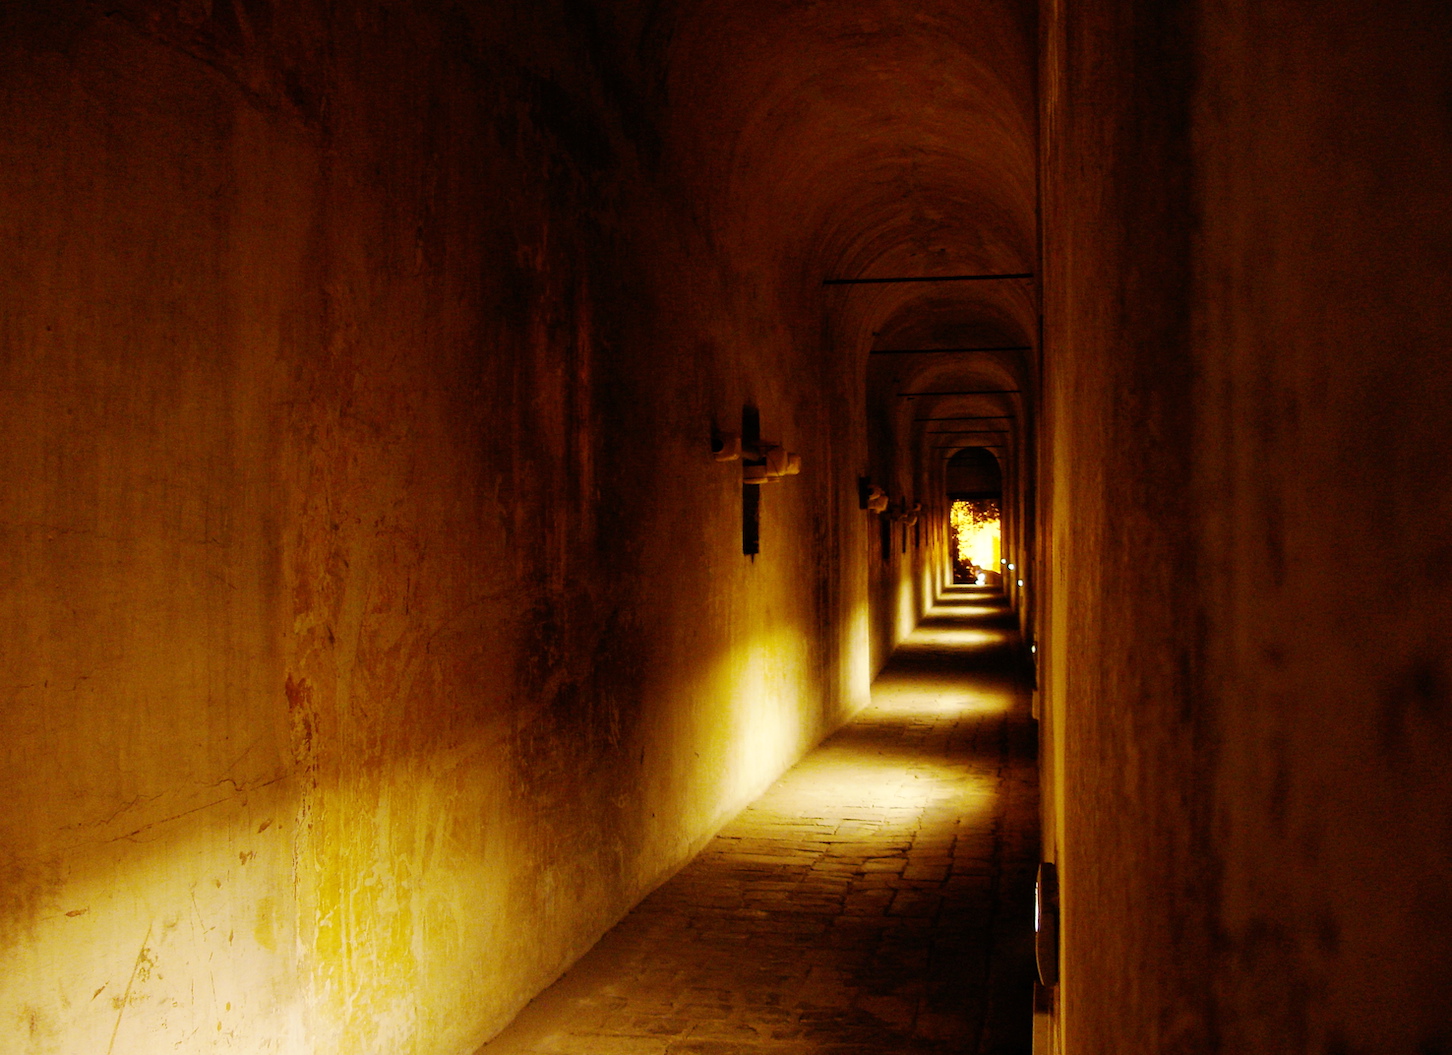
point(375, 624)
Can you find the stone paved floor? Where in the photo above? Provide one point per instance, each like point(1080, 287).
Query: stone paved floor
point(877, 899)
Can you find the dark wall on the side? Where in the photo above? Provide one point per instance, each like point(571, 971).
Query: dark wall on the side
point(1246, 701)
point(375, 623)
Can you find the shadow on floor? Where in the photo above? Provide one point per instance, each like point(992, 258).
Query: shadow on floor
point(877, 899)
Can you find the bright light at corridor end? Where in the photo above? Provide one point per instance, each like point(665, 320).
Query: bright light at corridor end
point(976, 539)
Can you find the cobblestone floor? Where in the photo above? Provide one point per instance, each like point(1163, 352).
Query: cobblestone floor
point(877, 899)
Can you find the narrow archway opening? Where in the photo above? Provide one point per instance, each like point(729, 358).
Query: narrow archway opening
point(976, 540)
point(975, 487)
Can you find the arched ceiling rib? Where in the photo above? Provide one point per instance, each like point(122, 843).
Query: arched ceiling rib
point(866, 138)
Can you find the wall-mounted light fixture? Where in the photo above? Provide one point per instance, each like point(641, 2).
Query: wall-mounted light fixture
point(761, 463)
point(725, 446)
point(908, 515)
point(770, 464)
point(780, 462)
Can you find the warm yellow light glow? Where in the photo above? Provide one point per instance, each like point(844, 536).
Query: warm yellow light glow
point(847, 774)
point(935, 637)
point(179, 930)
point(760, 733)
point(858, 658)
point(907, 609)
point(968, 610)
point(976, 535)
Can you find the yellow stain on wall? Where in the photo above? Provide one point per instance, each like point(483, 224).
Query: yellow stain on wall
point(263, 933)
point(165, 939)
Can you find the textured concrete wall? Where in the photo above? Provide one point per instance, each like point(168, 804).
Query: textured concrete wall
point(1246, 213)
point(1122, 714)
point(1323, 329)
point(376, 628)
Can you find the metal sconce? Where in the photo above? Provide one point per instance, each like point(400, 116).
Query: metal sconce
point(725, 446)
point(761, 463)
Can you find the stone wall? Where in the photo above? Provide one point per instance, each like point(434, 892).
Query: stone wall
point(377, 625)
point(1246, 702)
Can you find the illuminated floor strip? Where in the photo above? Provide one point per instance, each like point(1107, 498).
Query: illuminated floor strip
point(876, 900)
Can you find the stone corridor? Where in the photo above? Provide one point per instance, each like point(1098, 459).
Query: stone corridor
point(877, 899)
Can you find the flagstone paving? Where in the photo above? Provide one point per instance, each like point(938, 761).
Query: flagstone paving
point(877, 899)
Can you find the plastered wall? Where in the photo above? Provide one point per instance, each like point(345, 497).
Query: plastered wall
point(375, 624)
point(374, 628)
point(1246, 700)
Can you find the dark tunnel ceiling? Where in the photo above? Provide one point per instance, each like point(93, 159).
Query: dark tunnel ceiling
point(870, 139)
point(974, 470)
